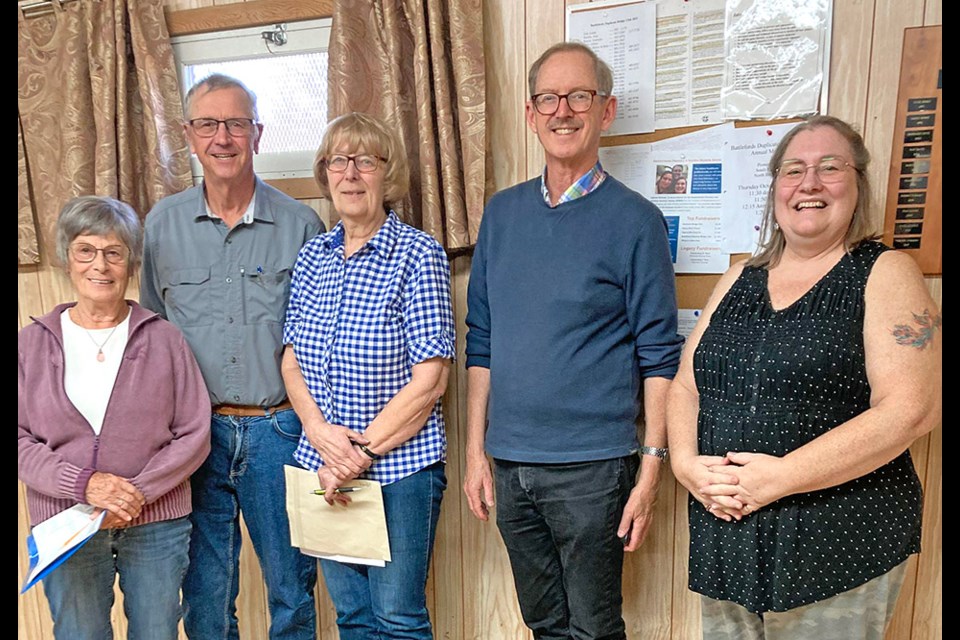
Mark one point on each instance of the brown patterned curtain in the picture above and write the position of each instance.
(100, 106)
(27, 251)
(419, 65)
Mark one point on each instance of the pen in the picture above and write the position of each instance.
(323, 492)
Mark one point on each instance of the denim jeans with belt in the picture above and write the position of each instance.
(559, 523)
(151, 560)
(375, 603)
(244, 472)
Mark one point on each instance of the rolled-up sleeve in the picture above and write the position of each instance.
(427, 310)
(651, 297)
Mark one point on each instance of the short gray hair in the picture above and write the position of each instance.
(213, 82)
(100, 216)
(601, 70)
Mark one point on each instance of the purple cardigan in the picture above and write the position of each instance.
(156, 431)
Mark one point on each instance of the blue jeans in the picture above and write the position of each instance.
(151, 560)
(244, 472)
(559, 523)
(389, 602)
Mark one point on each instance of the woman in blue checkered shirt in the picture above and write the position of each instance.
(370, 339)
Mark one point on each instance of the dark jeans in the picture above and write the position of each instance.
(559, 523)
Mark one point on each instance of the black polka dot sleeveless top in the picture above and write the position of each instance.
(769, 382)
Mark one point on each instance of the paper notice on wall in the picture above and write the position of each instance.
(687, 320)
(746, 179)
(777, 58)
(630, 164)
(624, 36)
(690, 62)
(688, 188)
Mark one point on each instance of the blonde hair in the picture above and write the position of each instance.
(361, 132)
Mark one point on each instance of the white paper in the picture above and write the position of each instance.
(624, 36)
(355, 533)
(629, 163)
(777, 57)
(746, 179)
(692, 206)
(57, 535)
(687, 320)
(370, 562)
(690, 62)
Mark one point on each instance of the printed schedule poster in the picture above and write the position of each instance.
(624, 36)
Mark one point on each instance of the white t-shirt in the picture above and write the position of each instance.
(89, 382)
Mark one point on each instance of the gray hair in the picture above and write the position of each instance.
(771, 237)
(601, 70)
(216, 81)
(100, 216)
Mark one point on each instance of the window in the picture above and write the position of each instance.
(290, 81)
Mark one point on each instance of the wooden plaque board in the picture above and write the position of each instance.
(914, 221)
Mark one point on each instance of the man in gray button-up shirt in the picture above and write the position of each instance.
(217, 263)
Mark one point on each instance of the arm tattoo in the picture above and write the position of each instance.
(918, 336)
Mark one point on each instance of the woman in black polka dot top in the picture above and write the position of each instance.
(813, 368)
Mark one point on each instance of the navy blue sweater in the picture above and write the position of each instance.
(570, 308)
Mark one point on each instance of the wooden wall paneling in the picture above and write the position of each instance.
(33, 614)
(685, 614)
(503, 24)
(252, 612)
(448, 556)
(647, 572)
(927, 621)
(545, 26)
(933, 12)
(28, 295)
(891, 17)
(489, 604)
(850, 51)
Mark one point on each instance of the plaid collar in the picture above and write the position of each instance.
(584, 185)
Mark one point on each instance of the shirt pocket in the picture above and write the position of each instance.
(187, 296)
(265, 293)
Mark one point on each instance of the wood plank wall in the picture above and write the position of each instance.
(471, 592)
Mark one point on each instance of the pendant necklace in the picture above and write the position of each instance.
(100, 355)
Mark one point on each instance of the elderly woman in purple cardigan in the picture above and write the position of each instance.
(111, 412)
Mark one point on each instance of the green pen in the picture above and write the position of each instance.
(323, 492)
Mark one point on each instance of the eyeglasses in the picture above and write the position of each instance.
(829, 170)
(365, 163)
(236, 127)
(114, 254)
(579, 101)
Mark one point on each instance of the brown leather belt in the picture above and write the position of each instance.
(249, 411)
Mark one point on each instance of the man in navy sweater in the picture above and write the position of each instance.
(572, 312)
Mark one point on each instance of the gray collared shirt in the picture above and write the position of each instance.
(226, 289)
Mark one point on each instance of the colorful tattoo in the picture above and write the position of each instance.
(918, 337)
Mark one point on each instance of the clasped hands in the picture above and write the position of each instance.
(117, 496)
(735, 485)
(342, 459)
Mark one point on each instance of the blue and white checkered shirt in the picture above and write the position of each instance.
(359, 325)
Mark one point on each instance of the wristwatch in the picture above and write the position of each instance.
(654, 451)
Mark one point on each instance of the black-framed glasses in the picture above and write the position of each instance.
(829, 170)
(114, 254)
(236, 127)
(364, 162)
(579, 101)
